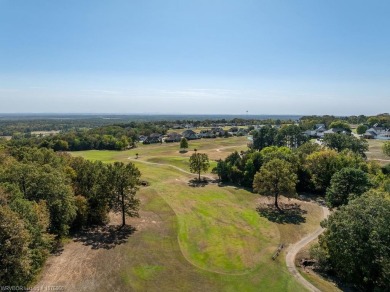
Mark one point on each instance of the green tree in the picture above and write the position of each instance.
(361, 129)
(321, 166)
(222, 170)
(276, 177)
(199, 162)
(249, 173)
(49, 184)
(340, 142)
(284, 153)
(386, 148)
(355, 244)
(183, 144)
(372, 121)
(264, 137)
(340, 125)
(81, 218)
(124, 180)
(91, 182)
(290, 136)
(346, 184)
(15, 261)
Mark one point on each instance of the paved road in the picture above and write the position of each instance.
(296, 247)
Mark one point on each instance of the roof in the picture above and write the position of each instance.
(155, 135)
(188, 132)
(173, 135)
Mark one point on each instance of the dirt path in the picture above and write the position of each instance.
(295, 248)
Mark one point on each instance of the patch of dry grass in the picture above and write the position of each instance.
(375, 151)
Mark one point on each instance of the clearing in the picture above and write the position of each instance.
(188, 237)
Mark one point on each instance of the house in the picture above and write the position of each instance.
(190, 135)
(370, 134)
(318, 132)
(377, 133)
(241, 132)
(153, 138)
(173, 137)
(310, 133)
(142, 138)
(320, 126)
(207, 134)
(218, 131)
(336, 131)
(385, 135)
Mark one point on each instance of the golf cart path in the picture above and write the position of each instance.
(296, 247)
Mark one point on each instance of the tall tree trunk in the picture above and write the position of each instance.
(276, 203)
(123, 210)
(199, 176)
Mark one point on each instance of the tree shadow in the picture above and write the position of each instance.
(313, 198)
(195, 183)
(290, 214)
(237, 187)
(58, 248)
(106, 237)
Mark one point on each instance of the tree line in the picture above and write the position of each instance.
(45, 195)
(356, 244)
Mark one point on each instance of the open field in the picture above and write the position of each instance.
(44, 133)
(188, 238)
(375, 151)
(169, 152)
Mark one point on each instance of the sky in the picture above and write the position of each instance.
(195, 57)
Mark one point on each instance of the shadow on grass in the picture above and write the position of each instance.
(106, 237)
(291, 213)
(235, 186)
(195, 183)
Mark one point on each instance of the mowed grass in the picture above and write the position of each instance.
(204, 238)
(170, 152)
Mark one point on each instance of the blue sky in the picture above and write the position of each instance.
(198, 57)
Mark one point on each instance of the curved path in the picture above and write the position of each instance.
(296, 247)
(292, 250)
(169, 165)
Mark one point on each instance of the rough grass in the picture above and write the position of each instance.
(375, 151)
(208, 238)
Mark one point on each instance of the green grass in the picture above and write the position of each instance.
(203, 238)
(146, 272)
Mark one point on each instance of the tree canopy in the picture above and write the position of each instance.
(340, 125)
(346, 184)
(199, 162)
(340, 142)
(124, 180)
(183, 144)
(386, 148)
(361, 129)
(356, 242)
(276, 177)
